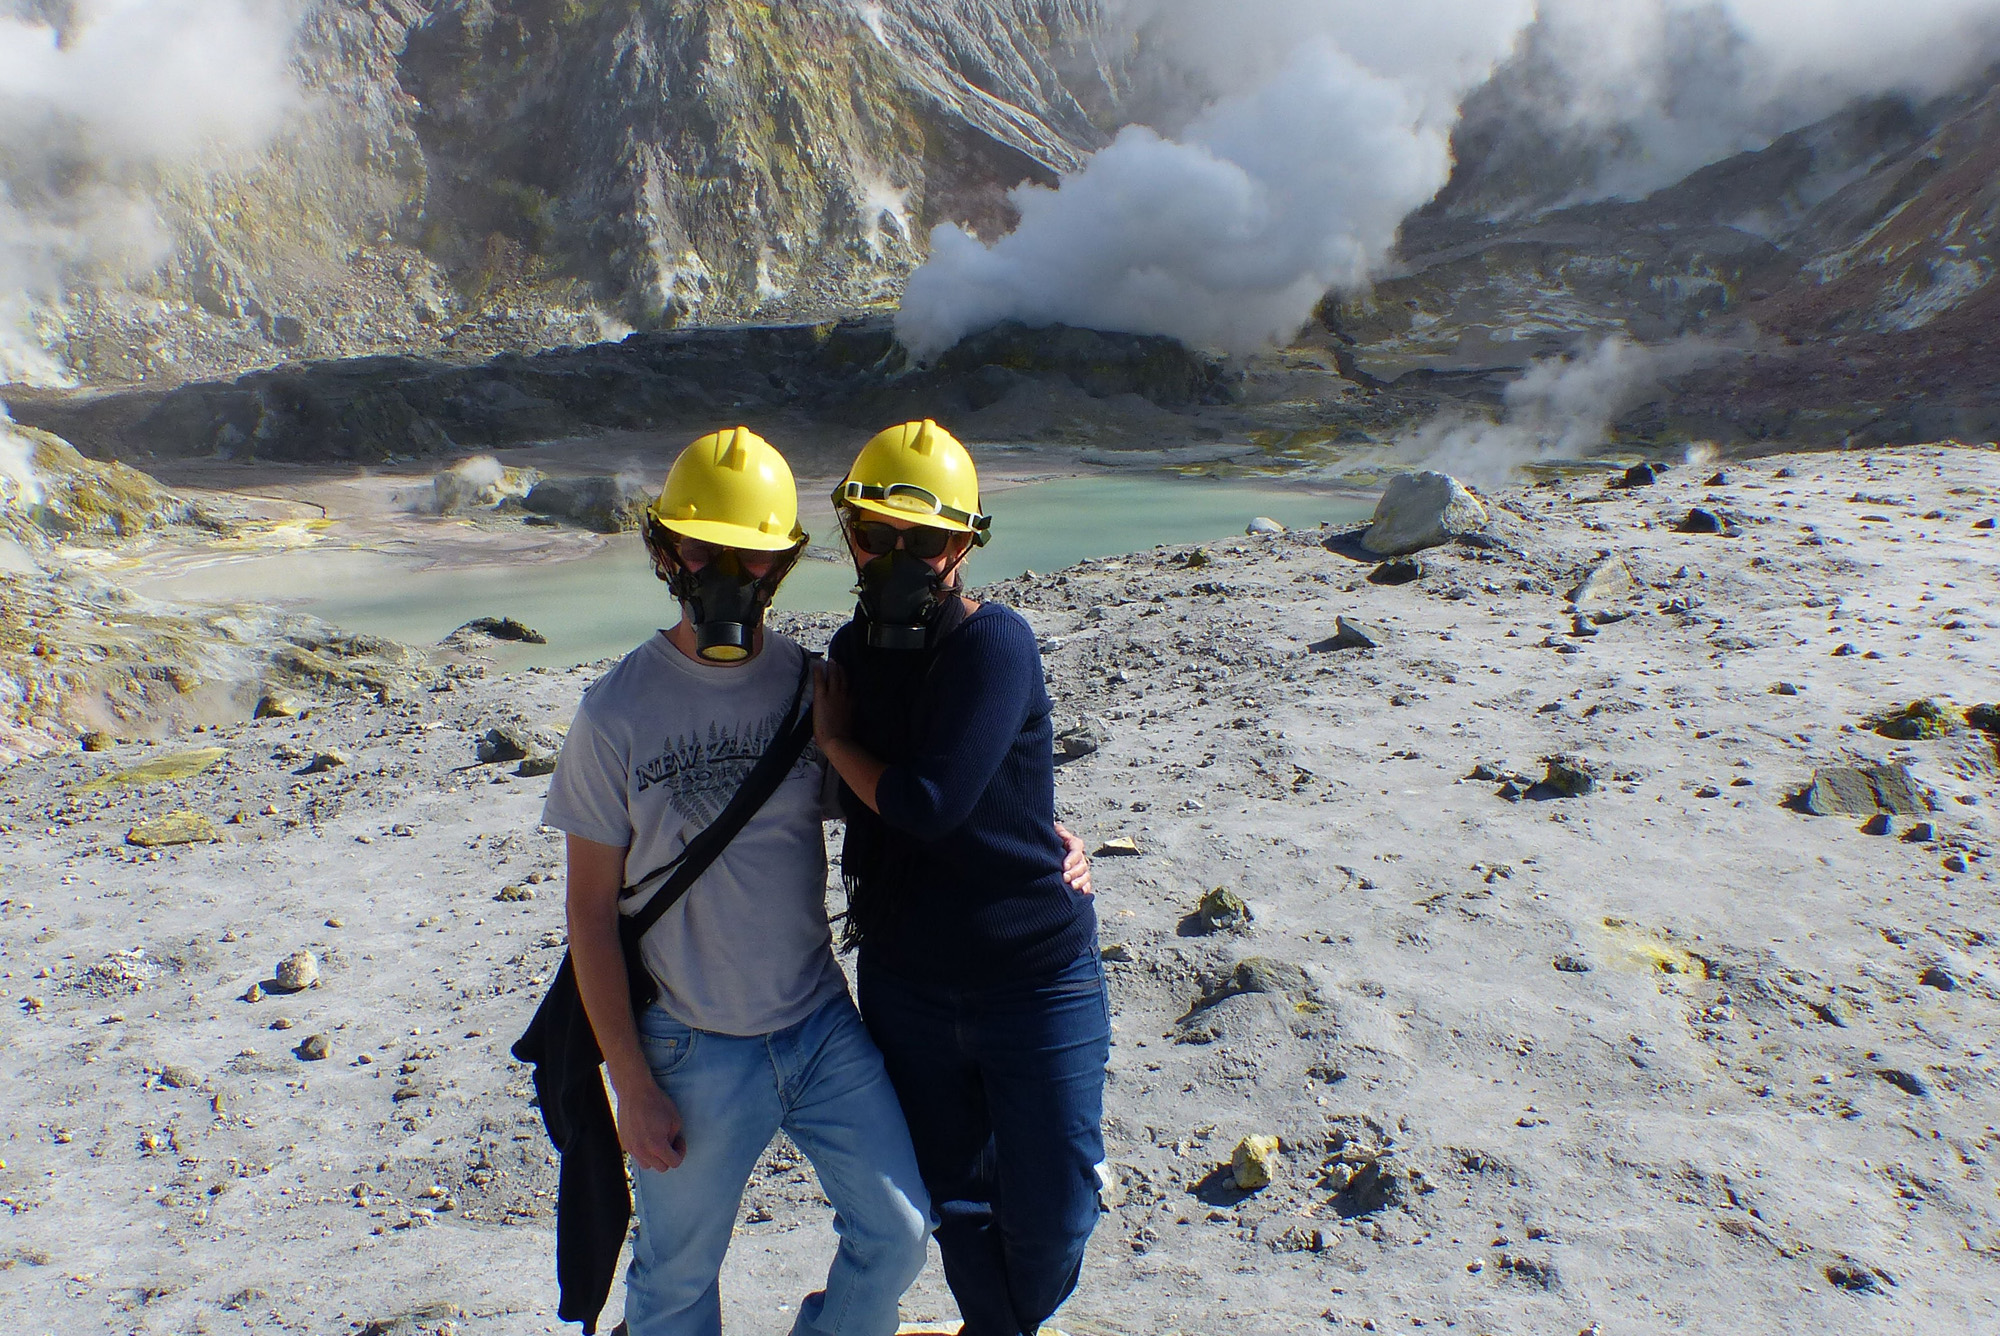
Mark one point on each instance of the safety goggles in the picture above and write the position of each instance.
(699, 552)
(980, 525)
(876, 538)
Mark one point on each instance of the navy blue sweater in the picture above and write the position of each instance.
(970, 794)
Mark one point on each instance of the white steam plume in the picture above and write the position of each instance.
(1226, 235)
(1318, 124)
(99, 99)
(1561, 408)
(20, 487)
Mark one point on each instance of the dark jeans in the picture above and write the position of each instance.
(1003, 1089)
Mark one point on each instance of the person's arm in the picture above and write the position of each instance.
(649, 1126)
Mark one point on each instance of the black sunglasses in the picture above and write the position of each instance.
(876, 538)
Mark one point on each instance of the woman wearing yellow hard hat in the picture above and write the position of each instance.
(978, 971)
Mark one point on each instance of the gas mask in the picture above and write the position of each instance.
(900, 593)
(725, 602)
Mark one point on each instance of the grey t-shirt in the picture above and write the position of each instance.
(659, 746)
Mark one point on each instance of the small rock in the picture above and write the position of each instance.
(1955, 863)
(1988, 523)
(1420, 510)
(315, 1048)
(499, 628)
(1864, 791)
(532, 766)
(275, 705)
(1920, 720)
(1568, 776)
(1082, 740)
(1264, 524)
(1844, 649)
(254, 993)
(1786, 472)
(298, 971)
(1717, 480)
(1609, 579)
(1221, 910)
(1571, 964)
(1907, 1082)
(1400, 571)
(514, 894)
(179, 1077)
(1350, 635)
(182, 827)
(1785, 689)
(1115, 951)
(1938, 977)
(1261, 974)
(1876, 825)
(1641, 475)
(503, 744)
(1254, 1162)
(322, 762)
(1921, 833)
(282, 1023)
(1194, 558)
(96, 741)
(1704, 521)
(1118, 846)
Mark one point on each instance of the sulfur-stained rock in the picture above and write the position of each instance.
(179, 827)
(159, 770)
(1864, 791)
(298, 971)
(1221, 909)
(1255, 1162)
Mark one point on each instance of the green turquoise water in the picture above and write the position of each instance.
(603, 604)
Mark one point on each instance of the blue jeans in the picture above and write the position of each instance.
(821, 1080)
(1004, 1091)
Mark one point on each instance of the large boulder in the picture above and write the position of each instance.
(606, 505)
(1420, 510)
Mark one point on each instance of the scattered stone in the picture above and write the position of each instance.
(1920, 720)
(515, 894)
(1641, 475)
(179, 1077)
(1786, 472)
(1955, 863)
(322, 762)
(532, 767)
(1254, 1162)
(1853, 1277)
(96, 740)
(1194, 559)
(1567, 776)
(315, 1048)
(498, 628)
(1081, 740)
(254, 993)
(282, 1023)
(1118, 846)
(1844, 649)
(297, 972)
(179, 765)
(601, 504)
(1706, 521)
(1604, 582)
(1907, 1082)
(1988, 523)
(1921, 833)
(1718, 479)
(1985, 718)
(179, 827)
(1350, 635)
(1864, 791)
(1261, 974)
(275, 705)
(1398, 572)
(1876, 825)
(1938, 977)
(1572, 964)
(1117, 952)
(1221, 910)
(1785, 689)
(1420, 510)
(503, 744)
(1264, 524)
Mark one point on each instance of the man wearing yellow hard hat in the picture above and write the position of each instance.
(978, 970)
(752, 1029)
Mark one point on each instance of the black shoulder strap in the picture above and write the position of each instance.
(762, 781)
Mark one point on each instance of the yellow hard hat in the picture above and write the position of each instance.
(917, 471)
(734, 489)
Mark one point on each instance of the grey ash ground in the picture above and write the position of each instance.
(1669, 1055)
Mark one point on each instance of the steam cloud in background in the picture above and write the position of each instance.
(1561, 408)
(100, 101)
(1325, 122)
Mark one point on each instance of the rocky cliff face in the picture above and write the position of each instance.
(471, 176)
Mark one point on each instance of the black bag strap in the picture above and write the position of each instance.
(762, 781)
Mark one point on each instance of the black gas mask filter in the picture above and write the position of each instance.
(900, 593)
